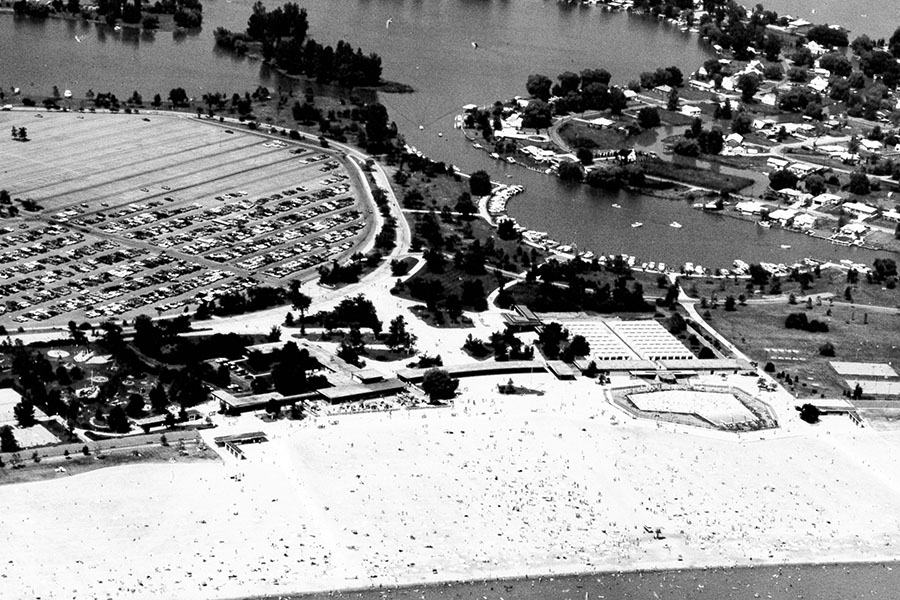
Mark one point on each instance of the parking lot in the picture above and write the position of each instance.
(150, 213)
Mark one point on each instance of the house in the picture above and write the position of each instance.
(816, 48)
(663, 90)
(784, 216)
(804, 221)
(863, 211)
(825, 199)
(871, 145)
(750, 207)
(777, 163)
(690, 111)
(818, 84)
(891, 215)
(600, 123)
(734, 139)
(704, 86)
(769, 99)
(855, 229)
(793, 195)
(803, 170)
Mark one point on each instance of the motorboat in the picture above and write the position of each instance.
(675, 224)
(637, 224)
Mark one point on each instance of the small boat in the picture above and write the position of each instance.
(421, 127)
(617, 206)
(477, 146)
(785, 246)
(494, 155)
(67, 94)
(675, 224)
(440, 134)
(637, 224)
(765, 224)
(510, 160)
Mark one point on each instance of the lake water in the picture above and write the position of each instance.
(429, 46)
(875, 18)
(787, 582)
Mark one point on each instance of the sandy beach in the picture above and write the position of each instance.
(493, 487)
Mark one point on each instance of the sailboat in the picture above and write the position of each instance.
(675, 224)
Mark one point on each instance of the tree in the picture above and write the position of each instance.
(22, 134)
(480, 183)
(135, 406)
(465, 206)
(672, 100)
(24, 413)
(118, 420)
(585, 156)
(815, 184)
(810, 413)
(398, 338)
(772, 47)
(742, 123)
(539, 86)
(859, 183)
(537, 115)
(837, 63)
(570, 170)
(158, 398)
(8, 441)
(748, 83)
(826, 349)
(550, 337)
(648, 117)
(438, 384)
(730, 303)
(178, 97)
(782, 179)
(301, 302)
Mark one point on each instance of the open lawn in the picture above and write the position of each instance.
(144, 212)
(832, 281)
(695, 176)
(758, 330)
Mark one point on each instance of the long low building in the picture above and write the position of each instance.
(232, 405)
(476, 369)
(361, 391)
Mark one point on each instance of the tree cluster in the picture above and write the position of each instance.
(282, 35)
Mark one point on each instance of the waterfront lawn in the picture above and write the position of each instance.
(758, 330)
(579, 135)
(694, 176)
(832, 281)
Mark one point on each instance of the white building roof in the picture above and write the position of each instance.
(858, 207)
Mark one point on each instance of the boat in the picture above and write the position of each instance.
(421, 127)
(637, 224)
(67, 94)
(675, 224)
(765, 224)
(510, 160)
(494, 155)
(440, 134)
(617, 206)
(785, 246)
(662, 267)
(477, 146)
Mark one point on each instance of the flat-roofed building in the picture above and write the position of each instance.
(862, 369)
(650, 340)
(604, 343)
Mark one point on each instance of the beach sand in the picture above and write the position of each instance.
(495, 486)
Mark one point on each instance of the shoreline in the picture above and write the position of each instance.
(420, 588)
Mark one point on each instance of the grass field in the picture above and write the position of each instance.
(833, 281)
(143, 212)
(759, 332)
